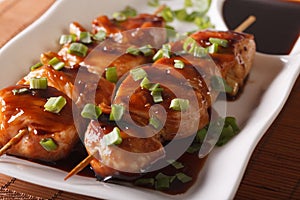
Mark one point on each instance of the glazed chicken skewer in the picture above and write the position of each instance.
(214, 34)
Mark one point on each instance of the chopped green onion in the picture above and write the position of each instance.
(38, 83)
(138, 74)
(78, 49)
(66, 39)
(153, 121)
(36, 66)
(158, 55)
(100, 35)
(201, 135)
(163, 181)
(181, 14)
(229, 130)
(179, 104)
(217, 84)
(176, 164)
(111, 74)
(203, 22)
(129, 11)
(219, 41)
(85, 37)
(117, 112)
(153, 3)
(145, 181)
(48, 144)
(113, 137)
(91, 111)
(133, 51)
(119, 16)
(167, 14)
(147, 50)
(188, 3)
(145, 83)
(20, 91)
(155, 87)
(56, 63)
(212, 48)
(178, 64)
(166, 48)
(195, 147)
(55, 104)
(183, 177)
(199, 52)
(157, 96)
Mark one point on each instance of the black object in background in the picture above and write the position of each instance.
(277, 25)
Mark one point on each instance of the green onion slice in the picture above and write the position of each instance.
(163, 181)
(145, 83)
(229, 130)
(154, 121)
(133, 51)
(66, 39)
(218, 84)
(91, 111)
(56, 63)
(158, 55)
(119, 16)
(167, 14)
(219, 41)
(111, 74)
(48, 144)
(176, 164)
(183, 177)
(38, 83)
(85, 37)
(78, 49)
(100, 35)
(178, 64)
(55, 104)
(138, 74)
(117, 112)
(144, 181)
(153, 3)
(113, 137)
(20, 91)
(179, 104)
(212, 48)
(147, 50)
(36, 66)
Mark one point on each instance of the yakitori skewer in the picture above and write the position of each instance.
(13, 141)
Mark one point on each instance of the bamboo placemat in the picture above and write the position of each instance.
(272, 173)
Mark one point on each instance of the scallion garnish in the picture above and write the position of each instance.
(167, 14)
(201, 134)
(55, 104)
(36, 66)
(144, 181)
(178, 64)
(154, 121)
(212, 48)
(117, 112)
(176, 164)
(85, 37)
(188, 3)
(100, 35)
(38, 83)
(66, 39)
(219, 41)
(20, 91)
(56, 63)
(181, 14)
(111, 74)
(163, 181)
(179, 104)
(91, 111)
(48, 144)
(119, 16)
(113, 137)
(166, 48)
(183, 177)
(229, 130)
(138, 74)
(158, 55)
(153, 3)
(147, 50)
(133, 51)
(145, 83)
(78, 49)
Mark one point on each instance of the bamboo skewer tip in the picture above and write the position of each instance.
(80, 166)
(248, 22)
(13, 141)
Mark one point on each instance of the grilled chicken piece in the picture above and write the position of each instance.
(139, 30)
(78, 84)
(26, 111)
(184, 83)
(234, 61)
(132, 156)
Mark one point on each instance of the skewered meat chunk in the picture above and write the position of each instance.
(133, 155)
(234, 60)
(26, 111)
(175, 83)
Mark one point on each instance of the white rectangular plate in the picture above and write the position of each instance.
(267, 89)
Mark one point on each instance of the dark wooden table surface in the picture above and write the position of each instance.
(273, 171)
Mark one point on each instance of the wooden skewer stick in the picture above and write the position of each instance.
(80, 166)
(243, 26)
(159, 9)
(13, 141)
